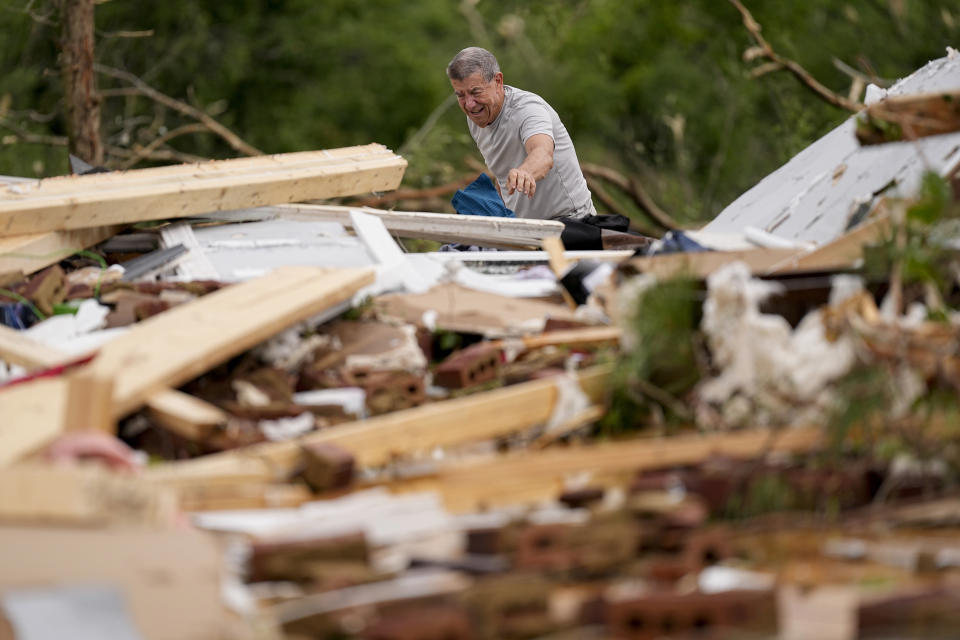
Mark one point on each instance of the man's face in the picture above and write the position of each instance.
(479, 99)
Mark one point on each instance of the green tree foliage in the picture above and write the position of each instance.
(654, 89)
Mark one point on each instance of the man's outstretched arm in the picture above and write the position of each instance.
(535, 167)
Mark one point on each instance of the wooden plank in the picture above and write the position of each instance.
(585, 337)
(376, 440)
(38, 208)
(32, 252)
(535, 476)
(457, 308)
(442, 227)
(185, 415)
(180, 412)
(18, 349)
(32, 417)
(844, 252)
(559, 265)
(89, 402)
(82, 494)
(207, 169)
(909, 117)
(171, 579)
(701, 264)
(176, 346)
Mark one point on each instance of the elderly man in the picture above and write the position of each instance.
(521, 139)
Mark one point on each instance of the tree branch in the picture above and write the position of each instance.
(417, 194)
(601, 194)
(235, 141)
(763, 49)
(20, 135)
(632, 187)
(140, 153)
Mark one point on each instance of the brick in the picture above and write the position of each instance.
(327, 466)
(474, 365)
(423, 622)
(334, 561)
(656, 615)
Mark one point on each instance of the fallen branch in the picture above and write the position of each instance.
(632, 187)
(21, 135)
(416, 194)
(231, 138)
(764, 50)
(601, 194)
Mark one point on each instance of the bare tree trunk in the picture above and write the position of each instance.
(76, 64)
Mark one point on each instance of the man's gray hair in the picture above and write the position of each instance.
(471, 60)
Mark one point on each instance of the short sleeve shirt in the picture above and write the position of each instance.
(563, 191)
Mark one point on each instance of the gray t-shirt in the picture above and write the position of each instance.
(563, 191)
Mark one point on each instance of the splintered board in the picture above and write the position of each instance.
(375, 441)
(457, 308)
(32, 252)
(73, 202)
(530, 477)
(174, 347)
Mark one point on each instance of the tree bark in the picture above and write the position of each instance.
(80, 93)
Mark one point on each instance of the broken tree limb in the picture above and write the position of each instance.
(442, 227)
(377, 440)
(163, 192)
(633, 188)
(536, 476)
(415, 194)
(763, 49)
(146, 90)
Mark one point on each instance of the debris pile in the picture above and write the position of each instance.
(238, 411)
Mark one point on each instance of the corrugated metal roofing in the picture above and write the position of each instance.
(810, 198)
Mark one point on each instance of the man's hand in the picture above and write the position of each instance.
(521, 180)
(93, 445)
(535, 167)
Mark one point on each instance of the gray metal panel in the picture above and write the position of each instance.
(810, 198)
(243, 250)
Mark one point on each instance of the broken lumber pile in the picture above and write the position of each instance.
(403, 450)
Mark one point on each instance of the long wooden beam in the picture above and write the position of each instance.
(442, 227)
(701, 264)
(536, 476)
(27, 208)
(207, 169)
(375, 441)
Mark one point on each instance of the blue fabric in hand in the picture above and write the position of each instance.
(480, 198)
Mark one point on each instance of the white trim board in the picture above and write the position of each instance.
(442, 227)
